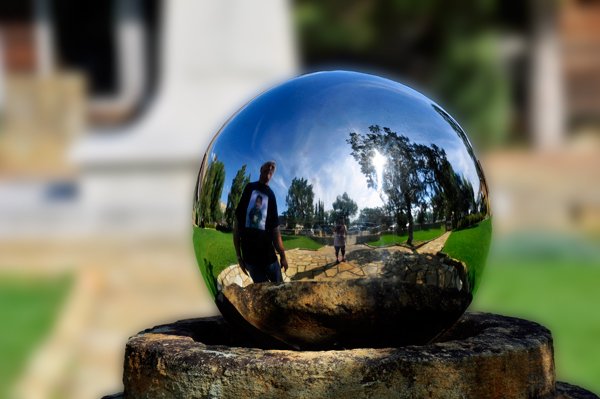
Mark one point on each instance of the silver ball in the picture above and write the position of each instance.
(357, 207)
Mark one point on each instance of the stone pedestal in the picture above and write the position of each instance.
(482, 356)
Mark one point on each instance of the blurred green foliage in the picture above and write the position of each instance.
(29, 308)
(450, 48)
(551, 279)
(561, 296)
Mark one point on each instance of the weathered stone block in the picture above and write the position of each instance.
(482, 356)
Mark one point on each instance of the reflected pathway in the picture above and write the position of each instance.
(423, 265)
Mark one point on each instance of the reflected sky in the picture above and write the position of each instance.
(304, 124)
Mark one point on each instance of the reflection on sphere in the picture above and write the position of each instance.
(341, 210)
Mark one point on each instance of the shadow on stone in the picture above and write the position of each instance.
(313, 273)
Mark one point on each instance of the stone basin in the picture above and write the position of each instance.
(343, 314)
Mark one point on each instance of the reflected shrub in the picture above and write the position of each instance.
(469, 221)
(224, 229)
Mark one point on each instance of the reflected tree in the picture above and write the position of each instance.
(467, 196)
(212, 188)
(320, 214)
(344, 206)
(401, 183)
(438, 205)
(463, 136)
(441, 181)
(299, 201)
(416, 180)
(422, 213)
(330, 217)
(373, 215)
(233, 198)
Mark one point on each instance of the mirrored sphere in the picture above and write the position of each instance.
(341, 210)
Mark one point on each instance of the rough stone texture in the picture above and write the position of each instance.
(356, 313)
(482, 356)
(568, 391)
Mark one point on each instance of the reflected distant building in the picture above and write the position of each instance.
(160, 78)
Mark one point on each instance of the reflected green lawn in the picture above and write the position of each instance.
(28, 309)
(215, 252)
(471, 246)
(418, 236)
(292, 242)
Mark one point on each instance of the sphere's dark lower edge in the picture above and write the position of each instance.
(482, 356)
(347, 314)
(568, 391)
(563, 391)
(258, 338)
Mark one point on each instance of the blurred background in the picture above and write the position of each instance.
(106, 109)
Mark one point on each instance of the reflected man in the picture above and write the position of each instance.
(256, 230)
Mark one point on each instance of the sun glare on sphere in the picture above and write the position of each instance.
(379, 162)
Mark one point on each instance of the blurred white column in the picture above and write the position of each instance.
(547, 96)
(44, 41)
(2, 72)
(130, 41)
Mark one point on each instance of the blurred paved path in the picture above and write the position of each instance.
(119, 289)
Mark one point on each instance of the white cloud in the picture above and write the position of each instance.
(333, 179)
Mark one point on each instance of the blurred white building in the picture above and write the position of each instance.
(161, 78)
(108, 106)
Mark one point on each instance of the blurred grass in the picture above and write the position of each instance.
(554, 282)
(471, 245)
(421, 235)
(28, 309)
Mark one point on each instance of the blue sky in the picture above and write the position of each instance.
(303, 125)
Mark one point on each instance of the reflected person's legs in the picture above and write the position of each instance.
(264, 274)
(337, 252)
(257, 273)
(274, 272)
(343, 253)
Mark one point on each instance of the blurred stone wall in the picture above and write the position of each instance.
(41, 117)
